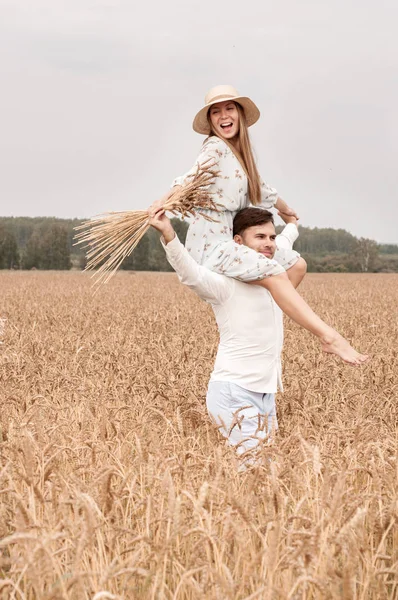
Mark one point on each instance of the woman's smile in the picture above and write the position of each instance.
(224, 118)
(226, 126)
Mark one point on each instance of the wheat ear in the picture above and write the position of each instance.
(113, 236)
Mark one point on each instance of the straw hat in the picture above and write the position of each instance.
(222, 93)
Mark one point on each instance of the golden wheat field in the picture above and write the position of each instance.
(114, 484)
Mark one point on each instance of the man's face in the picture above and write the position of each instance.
(260, 238)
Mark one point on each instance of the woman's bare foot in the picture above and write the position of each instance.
(336, 344)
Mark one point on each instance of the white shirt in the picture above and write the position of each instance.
(249, 322)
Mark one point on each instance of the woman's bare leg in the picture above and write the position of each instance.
(296, 272)
(295, 307)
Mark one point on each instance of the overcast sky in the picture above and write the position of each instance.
(97, 99)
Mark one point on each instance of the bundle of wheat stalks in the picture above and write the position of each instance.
(113, 236)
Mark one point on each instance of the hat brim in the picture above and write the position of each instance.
(252, 114)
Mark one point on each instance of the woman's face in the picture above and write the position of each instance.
(224, 118)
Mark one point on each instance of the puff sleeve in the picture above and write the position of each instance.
(209, 153)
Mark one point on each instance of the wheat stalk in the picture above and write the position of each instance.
(113, 236)
(182, 521)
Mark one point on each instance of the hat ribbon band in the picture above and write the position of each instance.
(225, 96)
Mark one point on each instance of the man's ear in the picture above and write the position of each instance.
(238, 239)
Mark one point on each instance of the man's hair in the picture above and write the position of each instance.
(250, 217)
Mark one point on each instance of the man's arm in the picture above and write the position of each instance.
(212, 287)
(288, 235)
(285, 241)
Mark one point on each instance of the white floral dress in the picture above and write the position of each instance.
(210, 243)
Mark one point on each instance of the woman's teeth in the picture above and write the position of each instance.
(224, 125)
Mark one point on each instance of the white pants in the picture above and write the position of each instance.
(245, 418)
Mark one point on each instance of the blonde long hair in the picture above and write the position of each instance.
(245, 157)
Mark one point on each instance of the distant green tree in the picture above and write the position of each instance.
(325, 250)
(9, 254)
(388, 263)
(157, 260)
(388, 248)
(55, 253)
(181, 228)
(138, 259)
(82, 262)
(31, 257)
(324, 241)
(47, 250)
(367, 254)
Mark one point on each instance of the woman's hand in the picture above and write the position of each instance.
(288, 218)
(284, 210)
(289, 212)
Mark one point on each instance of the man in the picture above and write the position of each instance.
(247, 370)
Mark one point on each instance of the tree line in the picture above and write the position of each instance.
(48, 243)
(43, 247)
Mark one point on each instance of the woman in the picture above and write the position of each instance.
(237, 185)
(225, 119)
